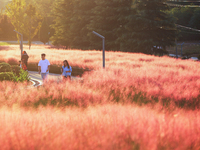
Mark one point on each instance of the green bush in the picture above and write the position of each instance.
(9, 76)
(4, 67)
(23, 76)
(16, 69)
(13, 73)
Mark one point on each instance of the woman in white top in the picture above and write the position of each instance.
(66, 70)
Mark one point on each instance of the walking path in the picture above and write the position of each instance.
(37, 80)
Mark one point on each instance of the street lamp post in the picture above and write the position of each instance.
(103, 44)
(21, 43)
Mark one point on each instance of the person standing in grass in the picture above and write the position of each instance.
(25, 58)
(66, 70)
(43, 67)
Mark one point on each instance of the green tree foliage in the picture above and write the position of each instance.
(43, 6)
(79, 21)
(71, 20)
(32, 23)
(108, 19)
(127, 27)
(151, 26)
(44, 31)
(24, 18)
(183, 15)
(16, 11)
(62, 11)
(195, 20)
(6, 29)
(187, 16)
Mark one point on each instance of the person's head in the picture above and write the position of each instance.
(20, 62)
(66, 64)
(43, 56)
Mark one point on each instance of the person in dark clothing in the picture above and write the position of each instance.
(25, 58)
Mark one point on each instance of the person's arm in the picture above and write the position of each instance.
(39, 68)
(48, 66)
(70, 70)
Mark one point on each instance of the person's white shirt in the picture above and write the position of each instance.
(44, 65)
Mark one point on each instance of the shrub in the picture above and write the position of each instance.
(5, 67)
(16, 69)
(6, 76)
(13, 73)
(23, 76)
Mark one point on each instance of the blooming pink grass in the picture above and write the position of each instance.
(126, 74)
(103, 127)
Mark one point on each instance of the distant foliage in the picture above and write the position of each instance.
(127, 26)
(24, 18)
(44, 32)
(189, 17)
(6, 28)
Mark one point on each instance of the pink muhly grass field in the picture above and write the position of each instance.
(102, 127)
(97, 113)
(126, 74)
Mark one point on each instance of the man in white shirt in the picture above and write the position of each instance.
(43, 67)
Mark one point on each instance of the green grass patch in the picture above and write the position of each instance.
(4, 44)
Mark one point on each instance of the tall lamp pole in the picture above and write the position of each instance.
(21, 43)
(103, 44)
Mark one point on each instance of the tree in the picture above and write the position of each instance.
(186, 16)
(70, 23)
(25, 19)
(44, 32)
(16, 11)
(6, 28)
(195, 20)
(108, 19)
(150, 26)
(183, 15)
(62, 12)
(32, 23)
(79, 22)
(43, 6)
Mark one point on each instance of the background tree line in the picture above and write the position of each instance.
(190, 17)
(128, 25)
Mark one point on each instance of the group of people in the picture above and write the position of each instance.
(44, 67)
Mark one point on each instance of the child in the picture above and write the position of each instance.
(20, 64)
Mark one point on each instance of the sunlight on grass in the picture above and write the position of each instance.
(4, 43)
